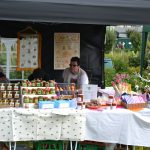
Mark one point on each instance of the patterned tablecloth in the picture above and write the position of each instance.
(37, 124)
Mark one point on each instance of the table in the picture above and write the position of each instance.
(119, 126)
(38, 124)
(111, 126)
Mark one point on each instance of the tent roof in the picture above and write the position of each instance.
(109, 12)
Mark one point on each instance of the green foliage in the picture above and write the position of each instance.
(135, 38)
(129, 62)
(27, 73)
(135, 62)
(120, 61)
(109, 74)
(110, 40)
(120, 66)
(15, 75)
(148, 45)
(131, 72)
(137, 81)
(3, 59)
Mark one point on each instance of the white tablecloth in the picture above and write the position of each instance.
(110, 126)
(118, 126)
(37, 124)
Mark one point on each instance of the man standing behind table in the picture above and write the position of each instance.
(74, 74)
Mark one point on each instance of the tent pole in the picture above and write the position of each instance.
(144, 41)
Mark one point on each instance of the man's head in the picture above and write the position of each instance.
(74, 65)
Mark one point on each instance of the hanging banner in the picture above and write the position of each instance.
(66, 45)
(28, 51)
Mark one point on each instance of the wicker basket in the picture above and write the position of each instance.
(134, 106)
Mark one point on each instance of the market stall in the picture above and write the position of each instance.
(55, 111)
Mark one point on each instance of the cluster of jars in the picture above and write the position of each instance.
(9, 86)
(38, 91)
(38, 83)
(35, 100)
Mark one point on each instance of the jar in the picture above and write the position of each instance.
(26, 99)
(9, 87)
(36, 100)
(9, 94)
(40, 98)
(11, 103)
(30, 100)
(17, 103)
(47, 84)
(16, 87)
(39, 91)
(38, 83)
(110, 101)
(24, 91)
(52, 91)
(34, 91)
(4, 95)
(33, 83)
(24, 83)
(80, 97)
(2, 87)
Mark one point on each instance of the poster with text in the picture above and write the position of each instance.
(66, 45)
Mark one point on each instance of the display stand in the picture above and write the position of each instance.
(9, 95)
(30, 96)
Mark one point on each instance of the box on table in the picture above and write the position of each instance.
(46, 104)
(73, 103)
(134, 106)
(62, 104)
(133, 101)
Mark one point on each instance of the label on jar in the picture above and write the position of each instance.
(16, 88)
(2, 87)
(9, 87)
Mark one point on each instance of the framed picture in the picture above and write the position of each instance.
(28, 49)
(66, 45)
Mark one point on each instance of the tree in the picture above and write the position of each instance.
(135, 38)
(110, 39)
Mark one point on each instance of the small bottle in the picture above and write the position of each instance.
(110, 101)
(148, 100)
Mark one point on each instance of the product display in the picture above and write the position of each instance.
(37, 91)
(47, 95)
(9, 95)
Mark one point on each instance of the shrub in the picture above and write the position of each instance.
(135, 62)
(135, 38)
(120, 65)
(109, 74)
